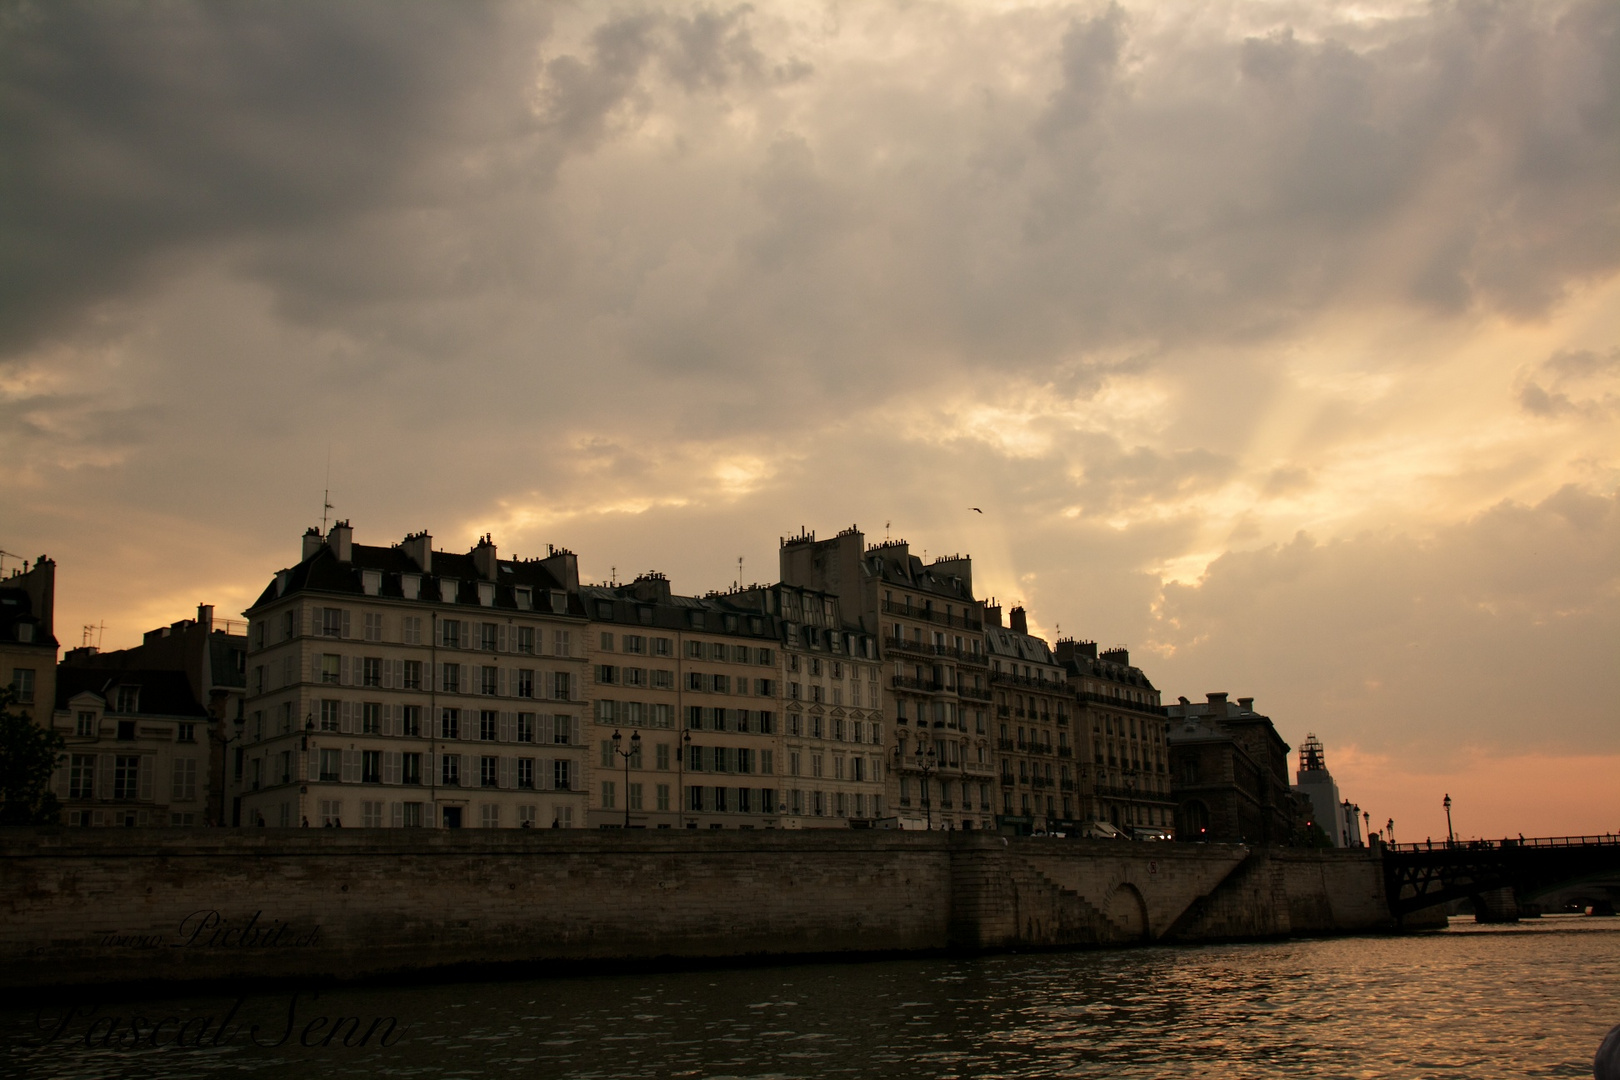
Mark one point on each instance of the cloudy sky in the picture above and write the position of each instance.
(1280, 341)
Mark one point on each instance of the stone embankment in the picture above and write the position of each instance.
(86, 907)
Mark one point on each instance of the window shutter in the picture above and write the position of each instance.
(396, 814)
(469, 771)
(346, 718)
(387, 675)
(346, 632)
(146, 778)
(500, 687)
(432, 777)
(393, 766)
(508, 728)
(573, 726)
(500, 641)
(343, 671)
(351, 766)
(507, 773)
(543, 782)
(546, 729)
(470, 723)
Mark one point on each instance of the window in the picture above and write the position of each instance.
(663, 679)
(661, 793)
(413, 675)
(410, 630)
(562, 642)
(450, 683)
(635, 643)
(371, 671)
(561, 731)
(525, 727)
(488, 636)
(85, 727)
(525, 682)
(450, 724)
(373, 627)
(606, 674)
(411, 721)
(488, 769)
(331, 767)
(525, 640)
(694, 650)
(450, 634)
(411, 816)
(489, 680)
(661, 757)
(694, 680)
(606, 642)
(489, 816)
(608, 795)
(331, 666)
(126, 700)
(561, 686)
(561, 776)
(371, 766)
(411, 769)
(663, 646)
(330, 712)
(607, 754)
(185, 733)
(331, 622)
(488, 725)
(22, 680)
(371, 814)
(525, 773)
(82, 777)
(450, 770)
(633, 796)
(371, 718)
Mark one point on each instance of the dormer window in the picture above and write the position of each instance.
(25, 632)
(371, 581)
(127, 699)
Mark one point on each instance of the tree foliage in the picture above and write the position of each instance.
(29, 753)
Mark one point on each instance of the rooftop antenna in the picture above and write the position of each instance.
(3, 555)
(885, 532)
(326, 495)
(613, 575)
(739, 571)
(93, 630)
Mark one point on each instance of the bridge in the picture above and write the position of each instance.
(1492, 873)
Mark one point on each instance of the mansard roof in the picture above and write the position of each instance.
(323, 572)
(162, 693)
(1024, 648)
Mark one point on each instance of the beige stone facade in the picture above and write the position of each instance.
(405, 687)
(1038, 777)
(28, 638)
(1127, 778)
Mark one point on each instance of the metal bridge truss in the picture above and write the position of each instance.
(1418, 876)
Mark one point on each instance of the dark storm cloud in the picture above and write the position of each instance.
(136, 131)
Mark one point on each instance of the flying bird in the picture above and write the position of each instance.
(975, 509)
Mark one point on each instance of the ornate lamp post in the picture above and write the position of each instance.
(1389, 828)
(927, 764)
(635, 748)
(1366, 827)
(1450, 835)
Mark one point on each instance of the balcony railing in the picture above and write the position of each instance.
(910, 612)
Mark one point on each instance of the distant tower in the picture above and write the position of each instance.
(1316, 783)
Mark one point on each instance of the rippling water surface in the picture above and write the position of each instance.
(1526, 1001)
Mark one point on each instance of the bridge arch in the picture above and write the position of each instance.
(1126, 909)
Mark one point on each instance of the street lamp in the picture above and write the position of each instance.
(635, 748)
(1390, 831)
(680, 796)
(927, 764)
(1450, 836)
(1366, 827)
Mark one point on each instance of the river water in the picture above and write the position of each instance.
(1471, 1002)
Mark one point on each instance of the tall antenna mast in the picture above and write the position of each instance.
(326, 495)
(3, 555)
(739, 571)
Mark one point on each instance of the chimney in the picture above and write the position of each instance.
(341, 541)
(1017, 620)
(312, 543)
(563, 565)
(485, 559)
(1118, 655)
(992, 614)
(205, 618)
(651, 588)
(1217, 703)
(1246, 704)
(418, 548)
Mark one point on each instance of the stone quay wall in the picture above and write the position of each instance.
(132, 905)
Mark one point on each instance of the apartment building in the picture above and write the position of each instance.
(213, 660)
(1038, 776)
(1229, 767)
(406, 687)
(685, 701)
(832, 755)
(930, 629)
(28, 638)
(1118, 713)
(137, 748)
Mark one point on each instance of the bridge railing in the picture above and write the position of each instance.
(1511, 842)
